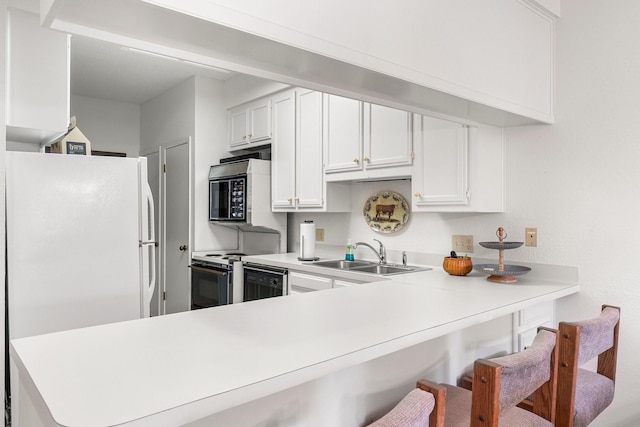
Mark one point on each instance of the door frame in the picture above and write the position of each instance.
(161, 150)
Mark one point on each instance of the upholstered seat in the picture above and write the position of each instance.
(500, 384)
(584, 394)
(421, 407)
(458, 414)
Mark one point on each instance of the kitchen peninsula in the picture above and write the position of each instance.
(177, 369)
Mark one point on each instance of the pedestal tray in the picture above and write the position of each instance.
(500, 272)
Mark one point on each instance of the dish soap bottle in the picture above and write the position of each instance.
(348, 256)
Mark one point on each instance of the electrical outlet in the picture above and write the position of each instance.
(461, 243)
(319, 234)
(531, 236)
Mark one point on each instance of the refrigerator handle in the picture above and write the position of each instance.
(151, 242)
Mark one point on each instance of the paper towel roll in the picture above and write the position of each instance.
(307, 240)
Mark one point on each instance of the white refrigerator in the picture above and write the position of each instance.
(80, 241)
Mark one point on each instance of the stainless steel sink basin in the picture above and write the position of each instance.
(341, 264)
(369, 267)
(386, 269)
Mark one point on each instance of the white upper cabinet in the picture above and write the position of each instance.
(37, 80)
(343, 134)
(297, 156)
(308, 177)
(250, 125)
(283, 152)
(440, 176)
(387, 137)
(458, 168)
(362, 138)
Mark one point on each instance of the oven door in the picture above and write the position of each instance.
(210, 286)
(263, 282)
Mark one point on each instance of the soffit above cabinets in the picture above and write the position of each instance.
(191, 34)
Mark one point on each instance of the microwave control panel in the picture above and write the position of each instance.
(238, 199)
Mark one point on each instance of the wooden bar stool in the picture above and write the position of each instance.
(500, 384)
(584, 394)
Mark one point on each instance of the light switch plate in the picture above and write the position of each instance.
(463, 244)
(531, 236)
(319, 234)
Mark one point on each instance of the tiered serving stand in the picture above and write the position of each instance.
(500, 272)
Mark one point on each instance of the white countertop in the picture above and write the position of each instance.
(170, 370)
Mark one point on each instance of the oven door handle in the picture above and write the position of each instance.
(266, 270)
(208, 270)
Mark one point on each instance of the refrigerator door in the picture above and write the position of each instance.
(73, 242)
(147, 241)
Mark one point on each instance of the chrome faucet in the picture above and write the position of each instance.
(380, 253)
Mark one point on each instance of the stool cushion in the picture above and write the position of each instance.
(594, 392)
(458, 410)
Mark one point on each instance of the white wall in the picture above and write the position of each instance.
(109, 125)
(243, 88)
(210, 145)
(168, 117)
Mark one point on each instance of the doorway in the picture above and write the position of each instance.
(169, 177)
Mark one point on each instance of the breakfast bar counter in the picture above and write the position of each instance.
(176, 369)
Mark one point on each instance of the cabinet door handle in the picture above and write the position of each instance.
(418, 194)
(296, 199)
(183, 247)
(356, 161)
(244, 137)
(250, 135)
(366, 159)
(289, 199)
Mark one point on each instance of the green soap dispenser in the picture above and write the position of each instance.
(348, 256)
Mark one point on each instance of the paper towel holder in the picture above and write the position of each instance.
(302, 257)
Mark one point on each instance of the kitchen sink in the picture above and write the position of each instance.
(386, 270)
(369, 267)
(341, 264)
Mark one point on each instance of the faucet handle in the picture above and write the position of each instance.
(382, 251)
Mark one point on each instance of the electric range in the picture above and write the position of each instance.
(216, 277)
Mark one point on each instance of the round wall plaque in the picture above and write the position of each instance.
(386, 212)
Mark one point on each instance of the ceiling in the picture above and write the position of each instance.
(107, 71)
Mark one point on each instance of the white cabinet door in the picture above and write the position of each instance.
(458, 168)
(259, 121)
(387, 137)
(304, 282)
(238, 127)
(366, 141)
(309, 174)
(342, 283)
(300, 282)
(250, 124)
(440, 175)
(283, 151)
(298, 181)
(37, 79)
(342, 134)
